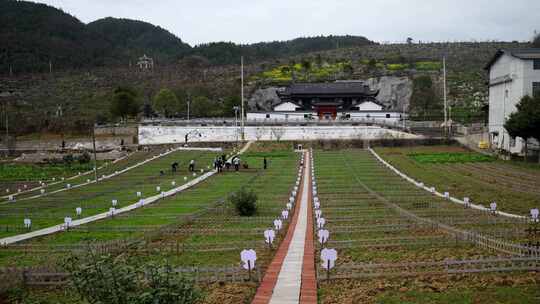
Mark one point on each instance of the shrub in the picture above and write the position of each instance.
(108, 279)
(245, 202)
(68, 159)
(428, 65)
(84, 158)
(164, 286)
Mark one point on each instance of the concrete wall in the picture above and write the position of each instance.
(149, 135)
(384, 117)
(111, 130)
(279, 116)
(373, 116)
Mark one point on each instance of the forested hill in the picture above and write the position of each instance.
(130, 39)
(228, 52)
(34, 35)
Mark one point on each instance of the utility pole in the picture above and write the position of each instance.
(236, 124)
(444, 98)
(95, 154)
(188, 102)
(7, 122)
(242, 93)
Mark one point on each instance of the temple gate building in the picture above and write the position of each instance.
(341, 100)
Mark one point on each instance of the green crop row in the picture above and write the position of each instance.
(443, 158)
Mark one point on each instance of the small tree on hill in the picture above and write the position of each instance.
(229, 103)
(202, 106)
(424, 101)
(536, 41)
(124, 103)
(166, 102)
(525, 122)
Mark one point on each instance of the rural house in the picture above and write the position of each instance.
(512, 75)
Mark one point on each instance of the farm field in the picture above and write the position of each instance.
(54, 182)
(397, 243)
(49, 210)
(515, 188)
(196, 228)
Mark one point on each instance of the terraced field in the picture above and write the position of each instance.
(196, 228)
(396, 243)
(49, 210)
(399, 244)
(515, 188)
(55, 183)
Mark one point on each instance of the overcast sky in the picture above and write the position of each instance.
(247, 21)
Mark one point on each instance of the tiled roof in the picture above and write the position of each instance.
(346, 88)
(525, 54)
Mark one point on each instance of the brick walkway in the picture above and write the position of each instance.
(290, 278)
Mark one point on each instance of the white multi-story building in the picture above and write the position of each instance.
(512, 75)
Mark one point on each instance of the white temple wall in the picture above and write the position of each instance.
(150, 135)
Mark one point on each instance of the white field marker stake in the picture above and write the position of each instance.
(248, 257)
(328, 259)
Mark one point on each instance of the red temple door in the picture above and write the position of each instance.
(327, 112)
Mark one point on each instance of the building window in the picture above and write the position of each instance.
(387, 115)
(536, 89)
(267, 115)
(536, 64)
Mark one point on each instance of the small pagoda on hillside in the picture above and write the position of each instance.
(145, 63)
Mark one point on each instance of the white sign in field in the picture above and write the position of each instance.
(328, 258)
(248, 257)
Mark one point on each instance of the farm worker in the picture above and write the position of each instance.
(219, 165)
(236, 163)
(228, 164)
(174, 167)
(265, 163)
(223, 158)
(192, 165)
(215, 163)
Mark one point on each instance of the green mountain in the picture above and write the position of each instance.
(228, 52)
(129, 39)
(34, 35)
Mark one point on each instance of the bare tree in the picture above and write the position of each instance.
(278, 132)
(259, 132)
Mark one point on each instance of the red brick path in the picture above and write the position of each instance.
(265, 290)
(308, 290)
